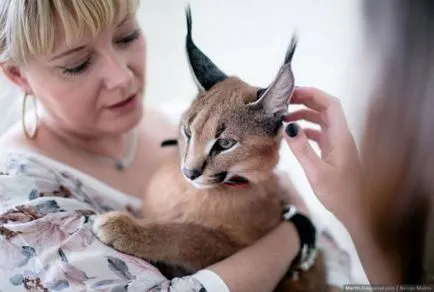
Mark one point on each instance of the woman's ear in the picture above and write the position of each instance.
(16, 76)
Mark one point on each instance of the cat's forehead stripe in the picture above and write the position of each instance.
(209, 146)
(191, 118)
(220, 129)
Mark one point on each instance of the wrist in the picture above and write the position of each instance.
(359, 222)
(290, 240)
(290, 234)
(306, 232)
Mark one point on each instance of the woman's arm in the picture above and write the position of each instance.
(379, 264)
(337, 177)
(262, 265)
(255, 268)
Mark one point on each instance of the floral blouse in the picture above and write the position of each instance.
(46, 239)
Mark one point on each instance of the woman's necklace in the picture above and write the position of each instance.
(124, 162)
(120, 164)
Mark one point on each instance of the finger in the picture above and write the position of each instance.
(298, 142)
(317, 137)
(314, 135)
(304, 114)
(313, 98)
(330, 108)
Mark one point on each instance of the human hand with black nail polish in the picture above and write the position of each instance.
(335, 175)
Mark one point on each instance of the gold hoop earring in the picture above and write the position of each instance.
(32, 133)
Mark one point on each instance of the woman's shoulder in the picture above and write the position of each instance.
(13, 138)
(30, 179)
(24, 178)
(159, 125)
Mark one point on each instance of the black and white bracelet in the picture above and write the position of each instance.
(305, 258)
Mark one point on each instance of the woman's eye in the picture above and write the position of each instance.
(130, 37)
(226, 143)
(77, 69)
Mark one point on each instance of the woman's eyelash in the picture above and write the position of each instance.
(130, 38)
(78, 69)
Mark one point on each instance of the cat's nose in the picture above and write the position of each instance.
(192, 173)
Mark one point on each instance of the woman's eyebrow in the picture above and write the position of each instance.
(126, 18)
(70, 51)
(77, 49)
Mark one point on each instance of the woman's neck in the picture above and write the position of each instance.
(110, 146)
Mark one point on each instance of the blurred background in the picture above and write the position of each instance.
(248, 38)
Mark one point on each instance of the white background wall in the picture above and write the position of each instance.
(248, 38)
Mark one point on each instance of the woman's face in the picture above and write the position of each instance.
(95, 85)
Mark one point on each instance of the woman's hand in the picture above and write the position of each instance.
(335, 176)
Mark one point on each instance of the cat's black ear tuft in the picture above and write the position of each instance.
(206, 72)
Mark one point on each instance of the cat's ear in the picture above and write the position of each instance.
(206, 72)
(275, 99)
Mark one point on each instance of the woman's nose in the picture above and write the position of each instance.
(117, 73)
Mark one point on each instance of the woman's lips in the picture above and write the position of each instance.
(122, 103)
(125, 106)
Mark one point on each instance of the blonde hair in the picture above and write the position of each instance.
(29, 27)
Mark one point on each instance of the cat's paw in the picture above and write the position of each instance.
(114, 229)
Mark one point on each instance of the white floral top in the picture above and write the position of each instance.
(46, 238)
(47, 244)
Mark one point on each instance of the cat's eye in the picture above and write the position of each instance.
(226, 143)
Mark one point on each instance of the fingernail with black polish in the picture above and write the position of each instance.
(292, 130)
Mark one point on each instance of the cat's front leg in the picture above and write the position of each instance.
(119, 230)
(189, 245)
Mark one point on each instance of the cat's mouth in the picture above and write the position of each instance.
(230, 179)
(236, 180)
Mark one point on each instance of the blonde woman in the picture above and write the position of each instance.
(89, 149)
